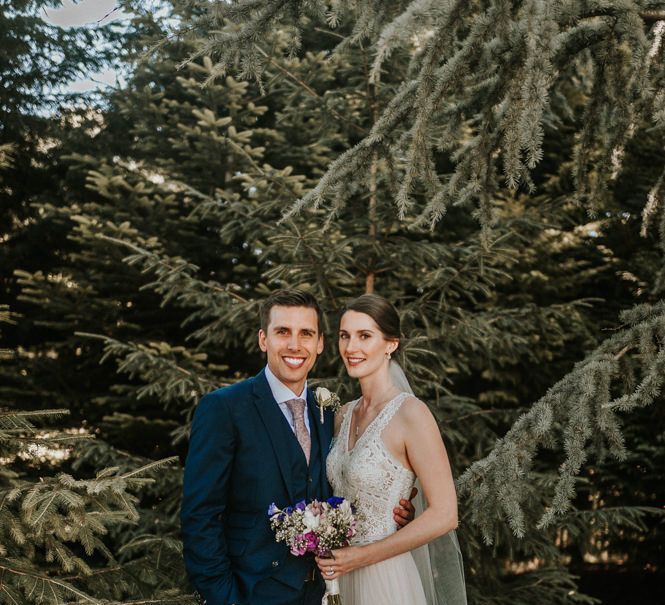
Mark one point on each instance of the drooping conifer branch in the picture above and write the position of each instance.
(580, 412)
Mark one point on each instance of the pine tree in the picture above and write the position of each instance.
(53, 546)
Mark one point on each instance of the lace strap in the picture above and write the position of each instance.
(346, 420)
(386, 414)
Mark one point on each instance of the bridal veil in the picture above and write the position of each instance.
(439, 563)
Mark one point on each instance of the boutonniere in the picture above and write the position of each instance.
(326, 399)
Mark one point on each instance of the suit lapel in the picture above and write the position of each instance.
(273, 418)
(323, 433)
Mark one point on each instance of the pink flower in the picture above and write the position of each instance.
(312, 541)
(299, 545)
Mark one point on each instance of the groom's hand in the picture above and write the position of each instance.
(404, 513)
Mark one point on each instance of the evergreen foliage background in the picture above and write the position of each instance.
(493, 168)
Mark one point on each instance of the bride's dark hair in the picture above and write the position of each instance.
(381, 311)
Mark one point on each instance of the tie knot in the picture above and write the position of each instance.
(297, 407)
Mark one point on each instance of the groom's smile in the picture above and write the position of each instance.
(292, 342)
(294, 362)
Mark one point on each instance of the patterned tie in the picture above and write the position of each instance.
(297, 409)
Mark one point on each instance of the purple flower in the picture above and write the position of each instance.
(335, 501)
(272, 509)
(300, 505)
(288, 510)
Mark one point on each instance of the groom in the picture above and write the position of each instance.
(253, 443)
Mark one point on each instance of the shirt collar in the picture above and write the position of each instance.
(280, 391)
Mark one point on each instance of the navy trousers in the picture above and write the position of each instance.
(274, 592)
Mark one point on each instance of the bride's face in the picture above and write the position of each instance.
(362, 345)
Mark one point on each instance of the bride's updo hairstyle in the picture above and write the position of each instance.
(381, 311)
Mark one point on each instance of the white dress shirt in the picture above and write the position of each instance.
(282, 394)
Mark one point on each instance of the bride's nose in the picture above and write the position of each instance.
(352, 344)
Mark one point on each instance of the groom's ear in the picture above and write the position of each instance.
(262, 340)
(319, 346)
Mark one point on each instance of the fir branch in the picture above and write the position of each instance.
(55, 584)
(310, 91)
(156, 465)
(156, 364)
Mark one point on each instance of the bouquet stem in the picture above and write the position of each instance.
(332, 596)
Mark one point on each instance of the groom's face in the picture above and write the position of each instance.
(292, 341)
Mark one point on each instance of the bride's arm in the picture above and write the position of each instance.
(429, 460)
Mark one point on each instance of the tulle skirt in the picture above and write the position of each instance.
(391, 582)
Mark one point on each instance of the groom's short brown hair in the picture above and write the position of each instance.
(289, 298)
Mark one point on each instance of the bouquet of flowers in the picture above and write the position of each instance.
(317, 527)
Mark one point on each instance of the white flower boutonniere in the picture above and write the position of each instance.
(326, 399)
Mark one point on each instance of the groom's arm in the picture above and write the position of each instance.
(204, 501)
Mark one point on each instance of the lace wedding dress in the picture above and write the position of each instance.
(370, 475)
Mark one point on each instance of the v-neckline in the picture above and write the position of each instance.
(348, 428)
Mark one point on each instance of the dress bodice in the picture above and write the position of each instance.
(369, 474)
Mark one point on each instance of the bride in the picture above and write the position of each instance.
(384, 441)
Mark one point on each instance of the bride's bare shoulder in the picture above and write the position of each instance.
(415, 410)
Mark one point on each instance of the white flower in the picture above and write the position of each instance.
(326, 399)
(323, 396)
(311, 520)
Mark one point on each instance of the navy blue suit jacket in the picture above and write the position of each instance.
(243, 456)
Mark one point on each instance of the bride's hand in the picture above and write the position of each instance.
(342, 562)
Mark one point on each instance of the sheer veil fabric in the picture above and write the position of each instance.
(440, 562)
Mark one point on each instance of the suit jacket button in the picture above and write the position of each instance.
(309, 479)
(275, 563)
